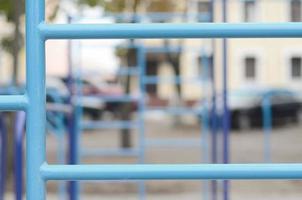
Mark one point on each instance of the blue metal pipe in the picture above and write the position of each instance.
(141, 60)
(174, 110)
(213, 115)
(175, 142)
(175, 80)
(13, 102)
(157, 16)
(166, 30)
(128, 71)
(167, 171)
(110, 152)
(204, 119)
(226, 113)
(267, 126)
(3, 166)
(153, 16)
(18, 154)
(88, 125)
(125, 98)
(73, 151)
(36, 112)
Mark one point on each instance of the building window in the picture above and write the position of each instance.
(152, 70)
(295, 11)
(250, 68)
(249, 9)
(204, 10)
(204, 7)
(296, 67)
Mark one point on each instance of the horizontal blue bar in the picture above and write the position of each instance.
(153, 16)
(175, 142)
(169, 172)
(13, 102)
(122, 98)
(110, 152)
(89, 125)
(124, 71)
(170, 30)
(174, 110)
(175, 80)
(168, 49)
(159, 16)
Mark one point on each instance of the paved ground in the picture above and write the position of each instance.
(246, 147)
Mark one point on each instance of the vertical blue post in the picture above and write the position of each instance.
(75, 140)
(18, 154)
(204, 121)
(73, 152)
(226, 115)
(267, 126)
(35, 87)
(214, 108)
(142, 68)
(3, 141)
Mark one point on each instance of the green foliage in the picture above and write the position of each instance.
(92, 3)
(7, 43)
(7, 8)
(161, 6)
(109, 5)
(121, 5)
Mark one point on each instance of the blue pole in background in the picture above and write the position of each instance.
(142, 68)
(226, 114)
(214, 108)
(73, 124)
(3, 141)
(205, 118)
(18, 153)
(267, 126)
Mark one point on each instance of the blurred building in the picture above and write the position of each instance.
(251, 62)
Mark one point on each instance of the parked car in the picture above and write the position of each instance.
(101, 91)
(246, 107)
(56, 88)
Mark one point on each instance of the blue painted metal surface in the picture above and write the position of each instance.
(267, 126)
(90, 125)
(34, 102)
(226, 112)
(213, 113)
(35, 90)
(205, 118)
(73, 124)
(110, 152)
(18, 154)
(141, 60)
(13, 102)
(57, 127)
(3, 146)
(170, 172)
(167, 30)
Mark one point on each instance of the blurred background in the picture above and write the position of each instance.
(158, 100)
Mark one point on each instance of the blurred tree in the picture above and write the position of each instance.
(135, 6)
(13, 10)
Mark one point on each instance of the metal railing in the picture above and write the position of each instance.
(33, 102)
